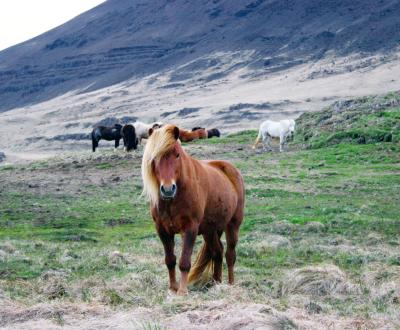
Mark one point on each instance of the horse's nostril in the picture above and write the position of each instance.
(169, 191)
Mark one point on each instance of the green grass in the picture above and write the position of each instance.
(6, 168)
(362, 121)
(352, 190)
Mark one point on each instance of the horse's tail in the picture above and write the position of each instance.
(202, 269)
(257, 141)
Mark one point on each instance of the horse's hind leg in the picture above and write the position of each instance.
(232, 234)
(216, 250)
(266, 142)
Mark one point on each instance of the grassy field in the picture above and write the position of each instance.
(320, 235)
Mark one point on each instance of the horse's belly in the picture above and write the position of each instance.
(220, 210)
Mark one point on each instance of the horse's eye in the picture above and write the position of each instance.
(177, 155)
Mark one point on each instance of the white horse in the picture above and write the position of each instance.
(142, 129)
(274, 129)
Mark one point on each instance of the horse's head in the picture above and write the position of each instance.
(162, 162)
(157, 125)
(130, 138)
(292, 125)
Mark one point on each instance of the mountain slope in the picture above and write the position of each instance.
(121, 39)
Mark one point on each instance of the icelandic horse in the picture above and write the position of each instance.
(188, 136)
(192, 197)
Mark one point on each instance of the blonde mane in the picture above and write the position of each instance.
(159, 143)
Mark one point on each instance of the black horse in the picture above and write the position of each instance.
(116, 133)
(107, 133)
(213, 132)
(129, 136)
(210, 133)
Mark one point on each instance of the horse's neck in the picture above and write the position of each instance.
(189, 169)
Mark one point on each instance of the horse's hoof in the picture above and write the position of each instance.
(181, 292)
(174, 288)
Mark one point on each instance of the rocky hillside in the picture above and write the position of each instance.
(364, 120)
(121, 39)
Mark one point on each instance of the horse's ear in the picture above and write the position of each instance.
(176, 133)
(151, 130)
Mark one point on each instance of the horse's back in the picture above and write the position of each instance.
(225, 194)
(275, 128)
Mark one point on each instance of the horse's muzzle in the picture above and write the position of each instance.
(168, 192)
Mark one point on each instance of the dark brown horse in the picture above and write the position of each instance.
(128, 134)
(187, 136)
(210, 133)
(192, 197)
(213, 132)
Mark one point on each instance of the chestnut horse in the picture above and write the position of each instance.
(192, 197)
(210, 133)
(187, 136)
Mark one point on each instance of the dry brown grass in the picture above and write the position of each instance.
(317, 281)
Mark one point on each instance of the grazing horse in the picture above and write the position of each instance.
(192, 197)
(213, 132)
(210, 133)
(106, 133)
(142, 129)
(187, 136)
(129, 136)
(274, 129)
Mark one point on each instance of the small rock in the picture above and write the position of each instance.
(272, 242)
(53, 274)
(3, 255)
(374, 239)
(116, 179)
(115, 256)
(314, 227)
(283, 227)
(54, 290)
(313, 308)
(7, 247)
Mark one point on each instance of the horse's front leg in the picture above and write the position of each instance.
(116, 143)
(189, 237)
(170, 258)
